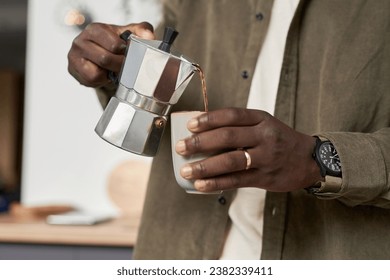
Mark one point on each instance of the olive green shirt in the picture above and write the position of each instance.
(334, 83)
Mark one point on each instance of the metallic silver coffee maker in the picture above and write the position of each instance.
(152, 79)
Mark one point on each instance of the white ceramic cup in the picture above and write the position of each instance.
(179, 131)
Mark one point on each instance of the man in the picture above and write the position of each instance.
(333, 84)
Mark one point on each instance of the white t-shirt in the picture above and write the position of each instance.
(244, 239)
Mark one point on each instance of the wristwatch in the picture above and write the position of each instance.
(327, 158)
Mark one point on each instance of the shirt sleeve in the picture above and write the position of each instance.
(365, 161)
(171, 12)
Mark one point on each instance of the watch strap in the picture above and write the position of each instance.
(331, 185)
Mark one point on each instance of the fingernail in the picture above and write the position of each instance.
(186, 172)
(193, 123)
(200, 185)
(180, 147)
(123, 46)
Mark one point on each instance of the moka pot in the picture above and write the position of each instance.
(151, 81)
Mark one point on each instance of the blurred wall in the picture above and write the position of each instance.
(64, 161)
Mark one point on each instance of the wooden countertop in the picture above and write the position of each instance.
(119, 232)
(28, 224)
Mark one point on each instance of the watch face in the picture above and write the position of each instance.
(330, 159)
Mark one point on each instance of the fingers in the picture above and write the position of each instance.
(143, 30)
(94, 52)
(218, 139)
(89, 63)
(101, 56)
(88, 73)
(279, 158)
(214, 166)
(223, 129)
(104, 35)
(224, 171)
(226, 182)
(227, 117)
(99, 49)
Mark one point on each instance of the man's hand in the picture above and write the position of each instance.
(99, 49)
(281, 158)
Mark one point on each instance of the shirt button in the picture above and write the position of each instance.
(274, 211)
(245, 74)
(222, 200)
(259, 16)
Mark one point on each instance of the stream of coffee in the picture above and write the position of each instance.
(204, 88)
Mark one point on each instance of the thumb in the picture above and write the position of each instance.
(143, 30)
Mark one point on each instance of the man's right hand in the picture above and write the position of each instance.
(98, 49)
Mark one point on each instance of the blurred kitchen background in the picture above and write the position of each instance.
(51, 160)
(13, 32)
(49, 152)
